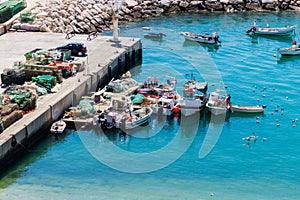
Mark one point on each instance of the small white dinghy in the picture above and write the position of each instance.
(58, 127)
(248, 109)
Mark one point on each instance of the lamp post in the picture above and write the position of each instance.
(115, 4)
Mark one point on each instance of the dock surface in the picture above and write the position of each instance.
(104, 57)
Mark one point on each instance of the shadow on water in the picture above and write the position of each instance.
(33, 154)
(285, 59)
(208, 47)
(245, 115)
(255, 38)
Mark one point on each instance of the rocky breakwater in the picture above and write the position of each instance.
(87, 16)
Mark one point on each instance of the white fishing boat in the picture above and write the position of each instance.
(247, 109)
(58, 127)
(190, 103)
(135, 118)
(281, 31)
(289, 51)
(218, 104)
(207, 39)
(166, 103)
(153, 87)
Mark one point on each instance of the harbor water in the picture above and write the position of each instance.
(197, 157)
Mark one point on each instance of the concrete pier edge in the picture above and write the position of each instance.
(32, 127)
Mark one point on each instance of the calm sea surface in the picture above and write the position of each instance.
(192, 158)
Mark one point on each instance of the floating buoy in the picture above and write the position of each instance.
(281, 112)
(257, 121)
(287, 97)
(272, 113)
(263, 95)
(296, 119)
(212, 194)
(257, 100)
(275, 55)
(271, 99)
(293, 120)
(264, 139)
(277, 120)
(277, 124)
(255, 86)
(278, 105)
(294, 125)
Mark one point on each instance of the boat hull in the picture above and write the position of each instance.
(285, 31)
(198, 38)
(247, 109)
(217, 110)
(289, 52)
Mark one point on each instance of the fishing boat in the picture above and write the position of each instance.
(154, 35)
(191, 101)
(207, 39)
(247, 109)
(166, 103)
(58, 127)
(153, 87)
(135, 118)
(289, 51)
(281, 31)
(218, 104)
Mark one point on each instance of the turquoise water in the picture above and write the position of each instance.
(66, 167)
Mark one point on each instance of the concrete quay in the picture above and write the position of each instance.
(105, 60)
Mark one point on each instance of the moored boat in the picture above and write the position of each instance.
(207, 39)
(277, 31)
(58, 127)
(135, 118)
(247, 109)
(154, 35)
(191, 102)
(289, 51)
(217, 104)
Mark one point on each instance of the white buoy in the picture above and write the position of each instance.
(264, 139)
(263, 95)
(275, 55)
(294, 125)
(277, 120)
(293, 120)
(272, 113)
(281, 112)
(287, 97)
(277, 124)
(296, 119)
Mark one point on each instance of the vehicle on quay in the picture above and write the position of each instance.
(76, 48)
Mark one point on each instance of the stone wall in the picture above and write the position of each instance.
(86, 16)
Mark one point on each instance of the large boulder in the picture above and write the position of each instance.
(130, 3)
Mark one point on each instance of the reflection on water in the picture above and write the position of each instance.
(285, 59)
(208, 47)
(257, 38)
